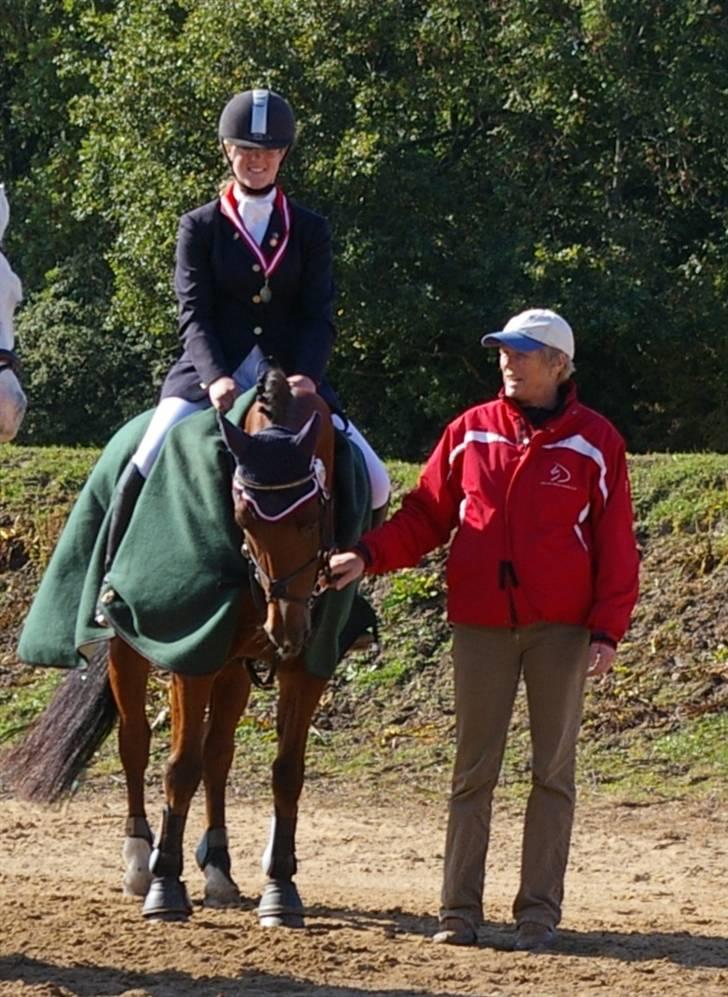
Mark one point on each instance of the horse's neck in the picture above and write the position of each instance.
(11, 293)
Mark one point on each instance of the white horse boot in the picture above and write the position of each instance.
(135, 853)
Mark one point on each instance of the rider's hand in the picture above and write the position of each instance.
(302, 382)
(345, 568)
(222, 393)
(601, 659)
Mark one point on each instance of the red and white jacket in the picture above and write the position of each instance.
(542, 520)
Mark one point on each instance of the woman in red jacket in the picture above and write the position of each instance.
(542, 577)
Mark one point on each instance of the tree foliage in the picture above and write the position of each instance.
(474, 158)
(85, 378)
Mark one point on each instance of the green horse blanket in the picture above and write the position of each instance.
(178, 576)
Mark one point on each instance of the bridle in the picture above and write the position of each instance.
(267, 589)
(9, 361)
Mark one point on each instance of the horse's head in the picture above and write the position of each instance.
(4, 211)
(281, 491)
(12, 398)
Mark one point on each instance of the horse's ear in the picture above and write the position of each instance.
(308, 435)
(235, 439)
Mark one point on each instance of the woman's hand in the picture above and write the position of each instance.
(601, 659)
(222, 393)
(345, 568)
(302, 382)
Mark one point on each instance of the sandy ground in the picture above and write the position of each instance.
(646, 910)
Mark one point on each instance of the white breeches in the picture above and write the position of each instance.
(169, 412)
(172, 410)
(378, 475)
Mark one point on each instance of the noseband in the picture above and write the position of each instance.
(9, 361)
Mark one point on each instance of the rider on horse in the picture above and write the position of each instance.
(253, 278)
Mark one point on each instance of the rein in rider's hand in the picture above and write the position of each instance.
(222, 393)
(302, 382)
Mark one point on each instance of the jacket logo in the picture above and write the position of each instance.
(560, 475)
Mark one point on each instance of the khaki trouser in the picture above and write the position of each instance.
(488, 663)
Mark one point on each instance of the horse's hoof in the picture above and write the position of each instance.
(281, 905)
(220, 889)
(282, 921)
(137, 876)
(167, 900)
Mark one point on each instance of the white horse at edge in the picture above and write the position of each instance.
(12, 398)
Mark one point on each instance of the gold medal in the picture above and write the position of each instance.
(265, 293)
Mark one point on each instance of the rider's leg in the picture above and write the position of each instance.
(168, 412)
(123, 501)
(378, 474)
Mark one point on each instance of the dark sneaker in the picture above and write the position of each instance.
(455, 931)
(532, 937)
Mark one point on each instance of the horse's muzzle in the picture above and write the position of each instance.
(13, 405)
(288, 626)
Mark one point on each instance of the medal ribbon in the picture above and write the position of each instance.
(229, 207)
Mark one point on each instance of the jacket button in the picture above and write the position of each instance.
(256, 299)
(256, 268)
(258, 330)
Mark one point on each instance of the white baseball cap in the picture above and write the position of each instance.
(533, 329)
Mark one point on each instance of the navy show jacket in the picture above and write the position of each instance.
(217, 278)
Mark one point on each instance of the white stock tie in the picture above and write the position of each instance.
(256, 212)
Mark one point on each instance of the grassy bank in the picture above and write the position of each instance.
(656, 728)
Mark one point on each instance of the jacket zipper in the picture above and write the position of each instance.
(507, 577)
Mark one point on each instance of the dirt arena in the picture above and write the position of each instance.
(646, 910)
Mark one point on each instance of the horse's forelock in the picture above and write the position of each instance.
(274, 395)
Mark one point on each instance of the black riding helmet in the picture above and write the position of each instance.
(258, 119)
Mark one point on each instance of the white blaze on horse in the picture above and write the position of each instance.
(12, 398)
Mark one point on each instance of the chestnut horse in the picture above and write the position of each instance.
(281, 489)
(12, 399)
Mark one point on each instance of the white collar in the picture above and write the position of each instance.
(244, 199)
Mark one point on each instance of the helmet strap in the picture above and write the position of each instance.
(255, 191)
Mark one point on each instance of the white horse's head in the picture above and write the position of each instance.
(12, 399)
(4, 211)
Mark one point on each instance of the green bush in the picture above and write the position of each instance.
(83, 379)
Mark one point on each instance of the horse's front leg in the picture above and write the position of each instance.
(228, 701)
(299, 694)
(167, 898)
(128, 675)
